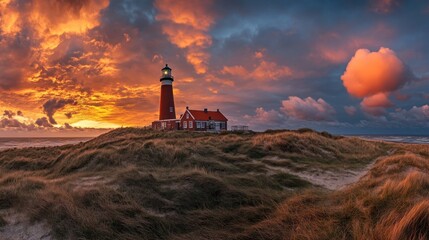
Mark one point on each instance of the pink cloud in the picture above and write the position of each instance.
(350, 110)
(270, 116)
(263, 118)
(414, 115)
(308, 109)
(383, 6)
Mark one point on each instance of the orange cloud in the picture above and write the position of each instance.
(369, 73)
(377, 100)
(186, 24)
(58, 17)
(373, 76)
(265, 70)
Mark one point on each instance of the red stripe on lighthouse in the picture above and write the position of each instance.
(166, 106)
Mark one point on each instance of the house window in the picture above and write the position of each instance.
(163, 125)
(185, 124)
(198, 124)
(222, 125)
(190, 124)
(187, 116)
(171, 109)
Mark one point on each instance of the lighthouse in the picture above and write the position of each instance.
(167, 112)
(166, 104)
(191, 120)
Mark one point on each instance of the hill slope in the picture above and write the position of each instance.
(141, 184)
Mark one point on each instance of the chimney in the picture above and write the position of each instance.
(205, 110)
(217, 110)
(187, 107)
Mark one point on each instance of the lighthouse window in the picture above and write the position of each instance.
(171, 109)
(185, 124)
(190, 124)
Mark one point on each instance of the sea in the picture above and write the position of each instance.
(6, 143)
(397, 138)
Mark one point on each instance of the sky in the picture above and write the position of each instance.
(79, 67)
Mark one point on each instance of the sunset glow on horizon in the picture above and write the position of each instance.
(351, 68)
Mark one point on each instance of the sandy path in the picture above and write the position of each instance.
(19, 227)
(329, 179)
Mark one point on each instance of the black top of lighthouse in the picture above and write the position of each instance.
(166, 73)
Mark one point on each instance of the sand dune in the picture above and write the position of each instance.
(141, 184)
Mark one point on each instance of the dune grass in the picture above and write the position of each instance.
(140, 184)
(390, 202)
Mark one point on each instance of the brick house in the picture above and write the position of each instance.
(203, 120)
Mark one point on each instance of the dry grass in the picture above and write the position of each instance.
(390, 202)
(141, 184)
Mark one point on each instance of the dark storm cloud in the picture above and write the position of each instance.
(53, 105)
(68, 115)
(8, 113)
(43, 122)
(15, 52)
(15, 120)
(14, 123)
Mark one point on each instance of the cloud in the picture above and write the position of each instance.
(268, 117)
(186, 23)
(53, 105)
(264, 119)
(43, 122)
(308, 109)
(14, 123)
(377, 100)
(15, 120)
(369, 73)
(373, 76)
(9, 113)
(265, 70)
(239, 56)
(350, 110)
(68, 115)
(416, 115)
(383, 6)
(31, 32)
(373, 111)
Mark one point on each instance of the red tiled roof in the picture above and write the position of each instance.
(201, 115)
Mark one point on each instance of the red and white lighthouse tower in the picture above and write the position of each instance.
(166, 104)
(167, 112)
